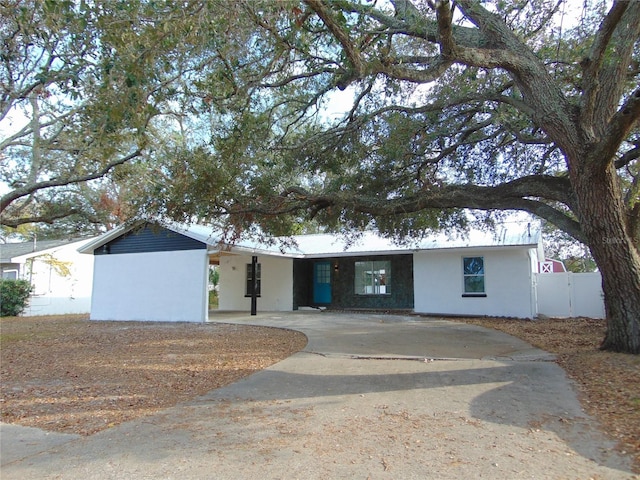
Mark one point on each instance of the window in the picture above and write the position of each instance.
(373, 278)
(10, 274)
(323, 272)
(473, 273)
(249, 280)
(546, 267)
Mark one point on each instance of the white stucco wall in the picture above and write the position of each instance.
(158, 286)
(276, 286)
(438, 283)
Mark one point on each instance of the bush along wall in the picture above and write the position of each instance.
(14, 296)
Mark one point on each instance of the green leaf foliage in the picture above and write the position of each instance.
(273, 116)
(14, 297)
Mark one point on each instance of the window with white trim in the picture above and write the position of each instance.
(473, 275)
(250, 278)
(372, 277)
(10, 274)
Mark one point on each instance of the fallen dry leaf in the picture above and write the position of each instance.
(68, 374)
(71, 375)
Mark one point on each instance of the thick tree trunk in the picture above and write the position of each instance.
(602, 216)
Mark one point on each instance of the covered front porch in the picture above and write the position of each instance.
(274, 281)
(373, 282)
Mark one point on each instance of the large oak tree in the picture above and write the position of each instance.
(491, 106)
(443, 107)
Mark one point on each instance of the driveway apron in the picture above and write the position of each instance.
(370, 397)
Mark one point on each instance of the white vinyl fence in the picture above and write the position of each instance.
(570, 295)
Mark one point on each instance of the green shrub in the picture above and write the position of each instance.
(213, 300)
(14, 295)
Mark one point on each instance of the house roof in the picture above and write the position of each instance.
(13, 252)
(327, 244)
(372, 243)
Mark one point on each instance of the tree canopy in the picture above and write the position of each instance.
(479, 112)
(490, 106)
(91, 90)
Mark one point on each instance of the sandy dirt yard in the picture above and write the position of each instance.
(69, 375)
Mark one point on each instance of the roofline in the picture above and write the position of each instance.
(258, 251)
(107, 237)
(37, 253)
(409, 251)
(175, 227)
(214, 245)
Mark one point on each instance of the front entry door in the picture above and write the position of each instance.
(322, 282)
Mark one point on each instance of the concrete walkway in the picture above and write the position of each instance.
(371, 396)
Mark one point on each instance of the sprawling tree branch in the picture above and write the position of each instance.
(49, 218)
(354, 56)
(533, 194)
(601, 72)
(618, 129)
(30, 188)
(628, 157)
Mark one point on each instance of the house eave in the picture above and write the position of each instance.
(337, 248)
(105, 238)
(409, 251)
(208, 237)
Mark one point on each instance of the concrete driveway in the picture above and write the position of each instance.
(371, 396)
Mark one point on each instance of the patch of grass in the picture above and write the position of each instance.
(23, 329)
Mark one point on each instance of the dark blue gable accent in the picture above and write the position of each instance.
(149, 238)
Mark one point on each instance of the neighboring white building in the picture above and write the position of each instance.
(150, 272)
(61, 277)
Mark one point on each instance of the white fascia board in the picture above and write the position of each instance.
(105, 238)
(242, 249)
(401, 251)
(481, 247)
(359, 253)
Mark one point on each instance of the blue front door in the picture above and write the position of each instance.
(322, 282)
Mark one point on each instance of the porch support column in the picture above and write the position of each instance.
(254, 283)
